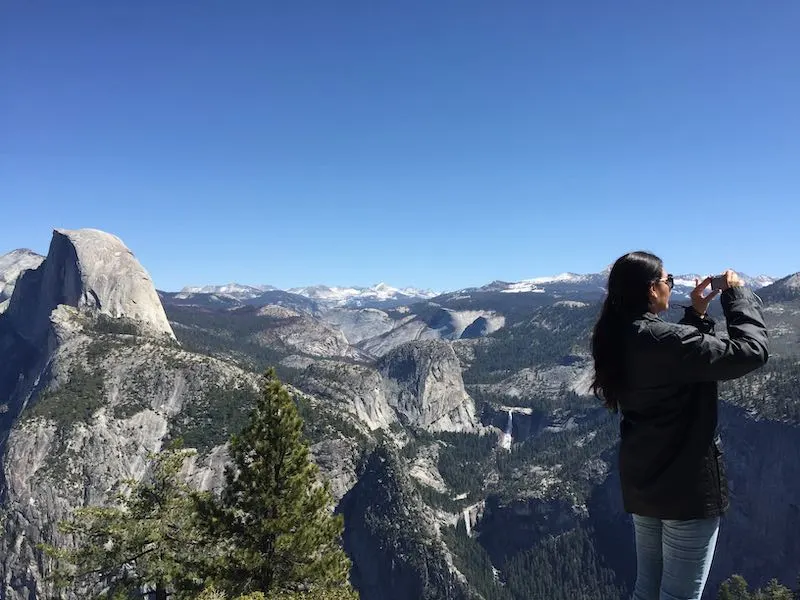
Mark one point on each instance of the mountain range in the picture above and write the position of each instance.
(380, 295)
(456, 430)
(384, 295)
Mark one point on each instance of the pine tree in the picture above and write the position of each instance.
(735, 588)
(140, 547)
(273, 518)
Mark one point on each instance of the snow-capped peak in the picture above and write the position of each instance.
(543, 284)
(563, 277)
(688, 280)
(233, 290)
(358, 296)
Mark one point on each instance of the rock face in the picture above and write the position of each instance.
(89, 269)
(397, 553)
(12, 265)
(784, 289)
(358, 389)
(418, 384)
(106, 401)
(759, 535)
(360, 324)
(426, 387)
(300, 333)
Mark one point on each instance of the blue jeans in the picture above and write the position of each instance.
(673, 558)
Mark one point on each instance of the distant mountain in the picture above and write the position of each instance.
(232, 290)
(379, 295)
(571, 286)
(12, 265)
(516, 300)
(684, 284)
(199, 300)
(785, 289)
(570, 283)
(223, 301)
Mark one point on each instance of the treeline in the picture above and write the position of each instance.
(737, 588)
(773, 391)
(566, 567)
(227, 334)
(550, 337)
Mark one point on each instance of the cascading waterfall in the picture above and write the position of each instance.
(505, 442)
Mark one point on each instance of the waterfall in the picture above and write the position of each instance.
(467, 522)
(505, 442)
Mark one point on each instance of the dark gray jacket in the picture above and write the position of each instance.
(671, 463)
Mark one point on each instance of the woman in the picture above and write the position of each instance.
(663, 378)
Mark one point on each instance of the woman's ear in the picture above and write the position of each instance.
(652, 295)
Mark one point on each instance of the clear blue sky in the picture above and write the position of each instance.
(432, 143)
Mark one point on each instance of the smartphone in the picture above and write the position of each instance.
(717, 282)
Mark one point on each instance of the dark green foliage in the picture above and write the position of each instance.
(145, 540)
(562, 568)
(75, 400)
(271, 531)
(344, 593)
(774, 390)
(465, 459)
(473, 561)
(559, 568)
(102, 323)
(103, 345)
(228, 334)
(220, 412)
(389, 528)
(570, 448)
(544, 402)
(272, 526)
(736, 588)
(550, 337)
(324, 423)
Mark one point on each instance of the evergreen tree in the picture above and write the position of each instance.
(736, 588)
(273, 521)
(141, 547)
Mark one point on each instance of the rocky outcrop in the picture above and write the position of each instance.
(390, 535)
(103, 403)
(12, 265)
(418, 384)
(358, 389)
(408, 329)
(782, 290)
(506, 529)
(86, 269)
(300, 333)
(426, 389)
(360, 324)
(759, 535)
(434, 323)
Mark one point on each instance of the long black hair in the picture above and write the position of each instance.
(628, 297)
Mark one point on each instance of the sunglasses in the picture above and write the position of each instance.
(670, 281)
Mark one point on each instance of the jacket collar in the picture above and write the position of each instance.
(649, 316)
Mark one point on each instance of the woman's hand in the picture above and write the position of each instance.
(732, 279)
(700, 300)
